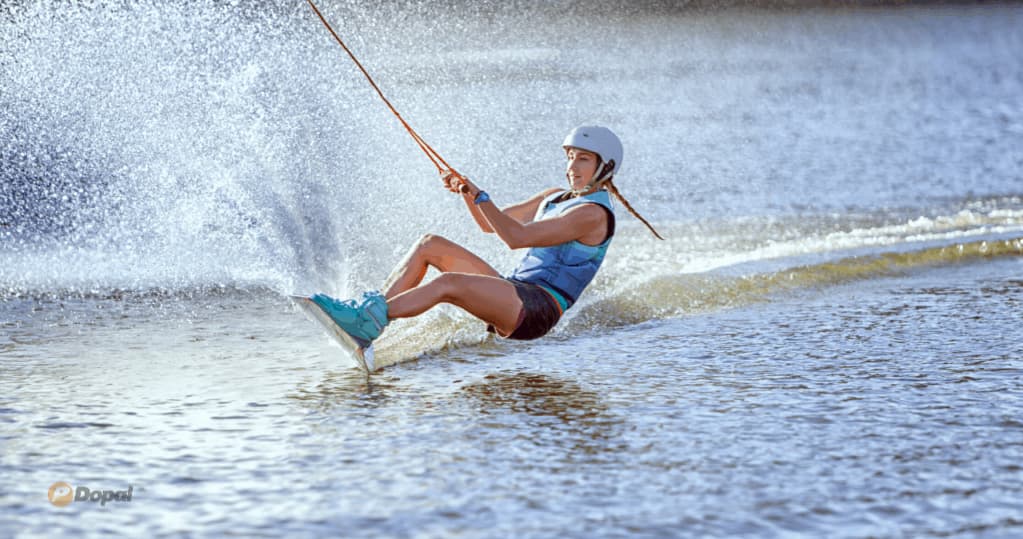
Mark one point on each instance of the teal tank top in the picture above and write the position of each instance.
(565, 269)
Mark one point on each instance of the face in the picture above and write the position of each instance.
(581, 167)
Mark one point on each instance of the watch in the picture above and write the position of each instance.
(481, 197)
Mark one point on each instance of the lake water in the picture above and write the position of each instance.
(827, 343)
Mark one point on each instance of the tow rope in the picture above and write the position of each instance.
(435, 158)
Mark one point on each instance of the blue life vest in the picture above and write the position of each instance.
(565, 269)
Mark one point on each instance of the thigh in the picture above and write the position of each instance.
(448, 256)
(491, 299)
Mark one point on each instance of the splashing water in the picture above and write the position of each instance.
(175, 145)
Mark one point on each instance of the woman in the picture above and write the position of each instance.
(568, 233)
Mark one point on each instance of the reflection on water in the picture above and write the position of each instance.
(537, 395)
(579, 414)
(347, 388)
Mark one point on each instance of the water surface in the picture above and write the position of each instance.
(827, 344)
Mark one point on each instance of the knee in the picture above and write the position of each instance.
(430, 242)
(448, 285)
(432, 248)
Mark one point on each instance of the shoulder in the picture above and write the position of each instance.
(598, 199)
(538, 197)
(598, 208)
(548, 192)
(588, 211)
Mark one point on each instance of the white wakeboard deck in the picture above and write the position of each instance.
(359, 350)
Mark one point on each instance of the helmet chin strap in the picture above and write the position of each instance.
(606, 173)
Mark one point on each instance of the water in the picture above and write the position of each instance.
(826, 345)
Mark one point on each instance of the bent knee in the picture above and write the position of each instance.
(451, 285)
(432, 242)
(438, 250)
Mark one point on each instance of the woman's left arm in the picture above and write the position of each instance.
(573, 225)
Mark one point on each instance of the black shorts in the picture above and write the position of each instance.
(540, 312)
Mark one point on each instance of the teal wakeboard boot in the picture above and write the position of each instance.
(364, 321)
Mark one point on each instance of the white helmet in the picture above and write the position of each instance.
(601, 141)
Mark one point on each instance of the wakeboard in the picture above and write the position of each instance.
(358, 349)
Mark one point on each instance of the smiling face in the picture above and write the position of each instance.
(581, 167)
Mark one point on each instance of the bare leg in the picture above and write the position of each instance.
(441, 253)
(489, 298)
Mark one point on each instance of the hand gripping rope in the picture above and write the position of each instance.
(435, 158)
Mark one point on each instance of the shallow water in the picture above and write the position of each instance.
(827, 344)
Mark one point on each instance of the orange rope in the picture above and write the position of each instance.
(435, 157)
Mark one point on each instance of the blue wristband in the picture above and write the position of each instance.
(481, 197)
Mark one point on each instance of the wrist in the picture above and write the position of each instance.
(481, 197)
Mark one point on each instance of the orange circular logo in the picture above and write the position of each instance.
(61, 494)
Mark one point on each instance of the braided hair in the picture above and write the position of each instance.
(614, 191)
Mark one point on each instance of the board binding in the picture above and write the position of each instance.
(358, 349)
